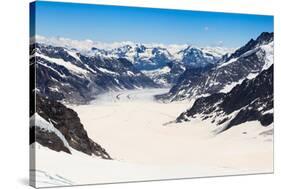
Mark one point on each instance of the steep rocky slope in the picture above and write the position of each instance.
(246, 62)
(63, 74)
(59, 128)
(249, 101)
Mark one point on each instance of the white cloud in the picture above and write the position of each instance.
(220, 43)
(87, 45)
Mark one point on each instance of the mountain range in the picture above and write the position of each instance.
(77, 74)
(232, 69)
(252, 100)
(230, 86)
(67, 75)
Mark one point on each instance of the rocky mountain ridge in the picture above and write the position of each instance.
(245, 63)
(252, 100)
(59, 128)
(67, 75)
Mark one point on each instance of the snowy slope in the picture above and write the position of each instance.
(135, 52)
(245, 63)
(59, 128)
(37, 121)
(252, 100)
(149, 58)
(149, 149)
(66, 74)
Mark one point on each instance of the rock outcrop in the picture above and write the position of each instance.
(66, 125)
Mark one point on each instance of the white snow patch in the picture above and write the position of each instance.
(227, 63)
(37, 121)
(49, 67)
(68, 65)
(107, 71)
(73, 54)
(218, 51)
(267, 49)
(269, 55)
(89, 68)
(227, 88)
(130, 73)
(159, 71)
(252, 75)
(117, 81)
(268, 112)
(54, 89)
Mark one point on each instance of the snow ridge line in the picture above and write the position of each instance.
(37, 121)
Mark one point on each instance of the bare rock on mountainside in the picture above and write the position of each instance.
(68, 75)
(67, 126)
(245, 63)
(252, 100)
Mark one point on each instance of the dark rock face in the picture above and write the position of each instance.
(63, 74)
(75, 87)
(160, 57)
(264, 38)
(68, 123)
(194, 57)
(143, 58)
(249, 101)
(48, 139)
(177, 68)
(167, 75)
(191, 59)
(230, 70)
(192, 76)
(152, 59)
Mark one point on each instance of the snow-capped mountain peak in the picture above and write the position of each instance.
(245, 63)
(137, 52)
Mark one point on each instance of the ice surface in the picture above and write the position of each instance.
(145, 143)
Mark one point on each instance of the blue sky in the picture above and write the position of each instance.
(145, 25)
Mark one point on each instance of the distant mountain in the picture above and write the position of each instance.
(217, 52)
(158, 63)
(264, 38)
(155, 57)
(135, 52)
(144, 58)
(66, 74)
(59, 128)
(246, 62)
(196, 58)
(167, 75)
(252, 100)
(151, 59)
